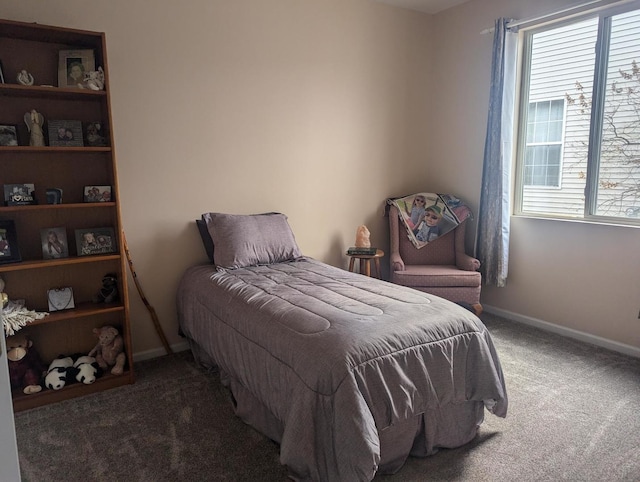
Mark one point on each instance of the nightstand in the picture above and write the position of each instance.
(365, 262)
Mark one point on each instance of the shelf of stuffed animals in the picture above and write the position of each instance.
(22, 401)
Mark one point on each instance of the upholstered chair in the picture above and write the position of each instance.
(441, 268)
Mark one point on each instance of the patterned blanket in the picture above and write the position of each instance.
(427, 215)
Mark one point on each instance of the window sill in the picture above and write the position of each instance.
(615, 224)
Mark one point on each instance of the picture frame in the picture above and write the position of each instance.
(54, 195)
(94, 241)
(1, 73)
(19, 194)
(60, 299)
(54, 243)
(65, 133)
(8, 134)
(72, 66)
(9, 249)
(95, 194)
(95, 134)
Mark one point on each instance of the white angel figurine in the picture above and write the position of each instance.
(35, 121)
(24, 78)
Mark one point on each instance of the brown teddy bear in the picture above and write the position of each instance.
(109, 352)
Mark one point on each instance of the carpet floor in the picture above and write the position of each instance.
(574, 415)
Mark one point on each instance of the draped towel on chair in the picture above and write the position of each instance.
(427, 216)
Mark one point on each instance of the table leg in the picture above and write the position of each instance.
(351, 263)
(367, 266)
(378, 274)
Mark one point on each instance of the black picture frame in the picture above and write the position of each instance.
(97, 194)
(19, 194)
(1, 73)
(9, 135)
(65, 133)
(95, 134)
(54, 243)
(94, 241)
(9, 249)
(54, 195)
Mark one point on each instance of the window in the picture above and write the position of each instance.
(544, 143)
(579, 130)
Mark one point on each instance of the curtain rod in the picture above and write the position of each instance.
(582, 7)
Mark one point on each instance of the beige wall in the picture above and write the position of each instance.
(579, 276)
(321, 109)
(306, 107)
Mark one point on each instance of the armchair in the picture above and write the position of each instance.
(441, 268)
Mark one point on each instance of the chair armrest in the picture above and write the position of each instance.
(466, 262)
(396, 262)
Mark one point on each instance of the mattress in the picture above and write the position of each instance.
(349, 374)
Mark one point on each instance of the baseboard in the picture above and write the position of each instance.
(564, 331)
(156, 352)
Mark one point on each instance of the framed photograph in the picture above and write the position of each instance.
(95, 241)
(60, 299)
(54, 195)
(97, 194)
(8, 135)
(95, 134)
(9, 252)
(1, 73)
(19, 194)
(72, 65)
(65, 133)
(54, 243)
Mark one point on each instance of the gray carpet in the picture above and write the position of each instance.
(574, 415)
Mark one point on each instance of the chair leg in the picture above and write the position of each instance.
(477, 308)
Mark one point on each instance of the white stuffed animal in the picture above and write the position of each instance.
(58, 373)
(94, 80)
(86, 369)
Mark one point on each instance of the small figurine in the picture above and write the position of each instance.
(93, 80)
(25, 78)
(362, 237)
(34, 121)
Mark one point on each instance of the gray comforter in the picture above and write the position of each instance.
(349, 374)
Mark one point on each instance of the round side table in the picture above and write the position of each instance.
(365, 262)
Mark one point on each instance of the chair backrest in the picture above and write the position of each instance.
(440, 251)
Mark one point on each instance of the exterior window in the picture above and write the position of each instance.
(544, 143)
(579, 142)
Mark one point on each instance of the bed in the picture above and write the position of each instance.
(349, 374)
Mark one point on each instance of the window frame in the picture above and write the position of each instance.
(530, 144)
(595, 125)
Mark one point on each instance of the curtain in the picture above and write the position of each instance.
(492, 246)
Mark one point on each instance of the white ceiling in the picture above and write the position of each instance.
(427, 6)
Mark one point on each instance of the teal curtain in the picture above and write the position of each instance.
(492, 246)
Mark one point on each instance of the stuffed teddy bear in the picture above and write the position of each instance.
(58, 373)
(109, 291)
(25, 366)
(86, 369)
(109, 352)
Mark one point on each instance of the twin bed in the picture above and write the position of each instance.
(349, 374)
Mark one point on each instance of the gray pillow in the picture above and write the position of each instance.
(242, 240)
